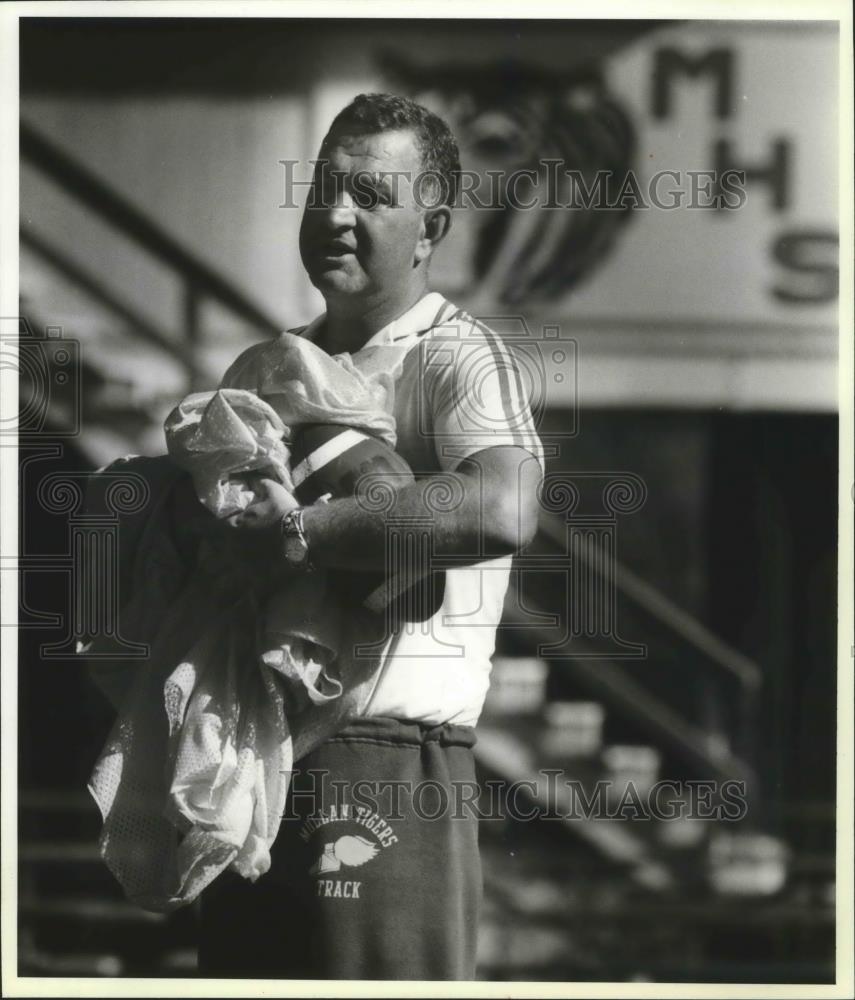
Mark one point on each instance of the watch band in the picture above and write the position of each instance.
(294, 540)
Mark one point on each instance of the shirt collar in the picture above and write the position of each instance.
(428, 312)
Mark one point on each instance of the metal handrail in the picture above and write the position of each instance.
(199, 278)
(664, 610)
(97, 290)
(608, 680)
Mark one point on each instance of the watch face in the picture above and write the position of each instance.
(295, 550)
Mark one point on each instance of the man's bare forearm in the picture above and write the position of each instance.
(350, 534)
(488, 508)
(486, 511)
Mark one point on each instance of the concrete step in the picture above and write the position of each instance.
(91, 910)
(513, 755)
(59, 852)
(33, 961)
(84, 928)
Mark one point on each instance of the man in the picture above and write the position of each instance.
(388, 887)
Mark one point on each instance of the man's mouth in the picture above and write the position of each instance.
(334, 250)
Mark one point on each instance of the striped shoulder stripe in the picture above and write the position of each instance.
(513, 396)
(506, 362)
(457, 314)
(441, 316)
(518, 406)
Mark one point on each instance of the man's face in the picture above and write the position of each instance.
(359, 242)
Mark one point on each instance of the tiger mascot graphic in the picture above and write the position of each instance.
(563, 130)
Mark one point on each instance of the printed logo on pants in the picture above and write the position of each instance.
(346, 849)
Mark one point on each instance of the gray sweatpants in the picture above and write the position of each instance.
(376, 872)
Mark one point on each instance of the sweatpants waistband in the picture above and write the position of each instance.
(405, 732)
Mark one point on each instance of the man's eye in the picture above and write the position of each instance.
(323, 192)
(365, 196)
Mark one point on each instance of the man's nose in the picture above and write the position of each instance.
(340, 212)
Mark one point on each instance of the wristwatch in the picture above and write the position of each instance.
(294, 540)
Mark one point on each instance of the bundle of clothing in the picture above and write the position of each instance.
(242, 676)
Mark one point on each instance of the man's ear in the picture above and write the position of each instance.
(436, 223)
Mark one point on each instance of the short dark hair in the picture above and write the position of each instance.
(368, 114)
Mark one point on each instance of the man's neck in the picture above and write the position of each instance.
(348, 327)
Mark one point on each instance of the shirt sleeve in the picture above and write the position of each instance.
(474, 394)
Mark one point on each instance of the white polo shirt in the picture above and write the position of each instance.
(459, 391)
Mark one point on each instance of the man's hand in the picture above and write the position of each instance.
(272, 502)
(248, 540)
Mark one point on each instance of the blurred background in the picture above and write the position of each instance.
(698, 379)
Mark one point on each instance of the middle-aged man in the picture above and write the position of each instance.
(389, 887)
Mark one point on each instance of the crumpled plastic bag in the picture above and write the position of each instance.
(194, 776)
(220, 437)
